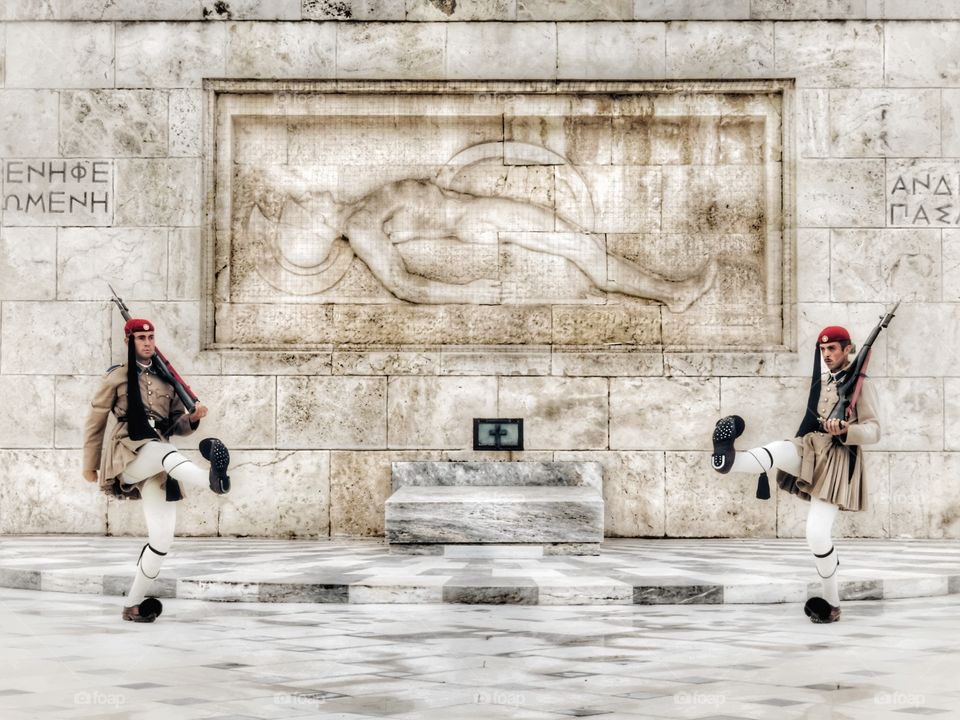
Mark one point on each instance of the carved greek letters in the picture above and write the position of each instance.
(57, 192)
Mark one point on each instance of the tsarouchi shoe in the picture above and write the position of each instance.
(216, 453)
(146, 612)
(820, 611)
(727, 430)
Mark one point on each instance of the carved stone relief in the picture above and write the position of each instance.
(470, 214)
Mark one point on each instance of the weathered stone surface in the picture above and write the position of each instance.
(122, 10)
(951, 265)
(278, 494)
(628, 197)
(932, 10)
(158, 192)
(924, 495)
(278, 50)
(378, 50)
(43, 492)
(184, 263)
(60, 55)
(633, 491)
(607, 325)
(79, 346)
(951, 420)
(561, 414)
(331, 412)
(820, 54)
(885, 265)
(501, 51)
(461, 11)
(385, 363)
(807, 9)
(72, 397)
(921, 54)
(175, 55)
(243, 409)
(663, 413)
(729, 364)
(885, 123)
(497, 474)
(359, 487)
(28, 421)
(813, 123)
(265, 362)
(813, 265)
(606, 364)
(28, 123)
(437, 412)
(133, 260)
(610, 51)
(691, 10)
(574, 10)
(917, 324)
(495, 362)
(700, 503)
(729, 201)
(123, 123)
(186, 116)
(915, 403)
(719, 49)
(28, 263)
(251, 10)
(353, 9)
(840, 193)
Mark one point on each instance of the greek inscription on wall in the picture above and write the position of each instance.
(923, 193)
(57, 192)
(635, 219)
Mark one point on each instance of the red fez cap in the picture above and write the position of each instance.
(134, 325)
(833, 333)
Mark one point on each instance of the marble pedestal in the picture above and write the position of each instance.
(495, 508)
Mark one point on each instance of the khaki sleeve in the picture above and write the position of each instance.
(866, 430)
(96, 424)
(182, 426)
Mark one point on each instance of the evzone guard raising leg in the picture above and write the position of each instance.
(822, 464)
(138, 461)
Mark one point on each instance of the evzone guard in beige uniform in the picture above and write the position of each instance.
(138, 461)
(823, 464)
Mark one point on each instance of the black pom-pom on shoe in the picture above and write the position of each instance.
(820, 611)
(146, 612)
(727, 430)
(216, 453)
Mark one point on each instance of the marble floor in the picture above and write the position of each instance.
(626, 572)
(69, 656)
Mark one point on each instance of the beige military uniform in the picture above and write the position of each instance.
(825, 462)
(162, 406)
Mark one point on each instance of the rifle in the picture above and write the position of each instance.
(164, 368)
(849, 388)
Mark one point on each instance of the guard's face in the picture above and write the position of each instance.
(143, 345)
(834, 356)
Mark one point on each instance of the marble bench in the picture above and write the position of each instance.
(444, 507)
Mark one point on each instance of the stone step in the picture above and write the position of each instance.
(496, 514)
(559, 473)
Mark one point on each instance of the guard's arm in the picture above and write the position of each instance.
(866, 430)
(96, 423)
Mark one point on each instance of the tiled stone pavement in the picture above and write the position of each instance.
(625, 571)
(70, 657)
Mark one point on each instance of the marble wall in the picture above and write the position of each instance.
(106, 160)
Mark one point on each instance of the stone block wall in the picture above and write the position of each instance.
(104, 101)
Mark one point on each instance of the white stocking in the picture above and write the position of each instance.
(156, 457)
(161, 517)
(780, 455)
(819, 528)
